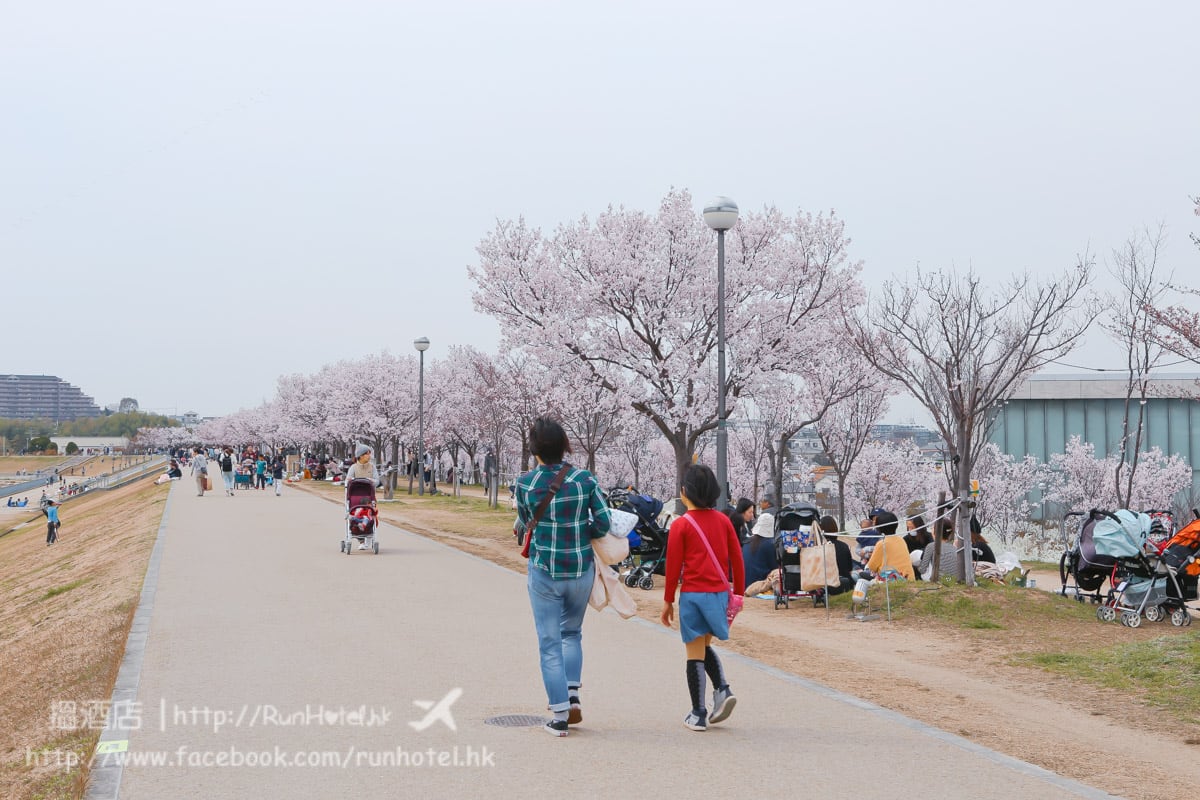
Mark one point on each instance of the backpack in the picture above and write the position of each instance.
(226, 463)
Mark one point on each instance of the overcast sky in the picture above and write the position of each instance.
(217, 194)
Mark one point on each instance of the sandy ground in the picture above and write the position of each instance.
(958, 680)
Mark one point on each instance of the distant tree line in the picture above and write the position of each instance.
(22, 430)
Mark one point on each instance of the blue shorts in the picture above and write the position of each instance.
(701, 613)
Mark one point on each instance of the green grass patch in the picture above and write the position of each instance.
(66, 587)
(1166, 670)
(986, 606)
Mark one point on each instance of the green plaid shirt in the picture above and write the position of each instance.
(562, 542)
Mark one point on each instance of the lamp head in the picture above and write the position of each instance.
(721, 214)
(421, 344)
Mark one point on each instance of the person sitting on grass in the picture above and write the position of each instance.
(948, 564)
(890, 553)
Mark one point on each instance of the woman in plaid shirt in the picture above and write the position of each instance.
(561, 571)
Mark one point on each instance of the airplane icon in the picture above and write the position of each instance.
(438, 711)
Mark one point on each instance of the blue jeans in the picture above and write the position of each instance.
(228, 478)
(558, 609)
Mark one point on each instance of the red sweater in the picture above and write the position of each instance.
(687, 556)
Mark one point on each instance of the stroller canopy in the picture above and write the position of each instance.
(797, 516)
(1122, 534)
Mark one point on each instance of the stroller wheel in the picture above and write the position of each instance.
(1180, 617)
(647, 582)
(375, 548)
(1106, 613)
(1155, 613)
(1131, 619)
(342, 547)
(631, 580)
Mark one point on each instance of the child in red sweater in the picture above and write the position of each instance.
(704, 592)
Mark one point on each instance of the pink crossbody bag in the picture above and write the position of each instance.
(734, 607)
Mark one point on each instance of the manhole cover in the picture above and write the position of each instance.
(516, 721)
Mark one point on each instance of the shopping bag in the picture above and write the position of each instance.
(818, 565)
(207, 484)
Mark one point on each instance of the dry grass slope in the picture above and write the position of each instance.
(65, 612)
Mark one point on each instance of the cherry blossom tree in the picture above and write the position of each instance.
(463, 424)
(1005, 483)
(631, 297)
(962, 348)
(482, 380)
(590, 413)
(844, 431)
(1079, 481)
(304, 404)
(891, 476)
(638, 457)
(751, 452)
(833, 374)
(372, 399)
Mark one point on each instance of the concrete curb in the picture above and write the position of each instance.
(108, 763)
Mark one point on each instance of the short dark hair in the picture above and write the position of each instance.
(886, 523)
(548, 441)
(744, 505)
(700, 485)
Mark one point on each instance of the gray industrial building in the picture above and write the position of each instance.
(1048, 410)
(43, 397)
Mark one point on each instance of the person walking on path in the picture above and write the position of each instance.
(362, 467)
(278, 468)
(226, 462)
(199, 470)
(260, 471)
(52, 522)
(704, 592)
(561, 568)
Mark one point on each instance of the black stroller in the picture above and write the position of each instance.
(1083, 570)
(647, 540)
(793, 530)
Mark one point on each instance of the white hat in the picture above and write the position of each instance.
(361, 451)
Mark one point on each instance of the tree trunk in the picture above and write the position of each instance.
(963, 492)
(939, 525)
(841, 488)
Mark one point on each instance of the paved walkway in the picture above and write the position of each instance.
(264, 639)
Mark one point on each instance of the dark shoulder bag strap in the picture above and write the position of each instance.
(555, 485)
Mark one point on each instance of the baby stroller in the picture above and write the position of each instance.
(1082, 568)
(1182, 555)
(793, 530)
(1143, 584)
(647, 540)
(362, 516)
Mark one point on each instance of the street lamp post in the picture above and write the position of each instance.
(721, 215)
(422, 345)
